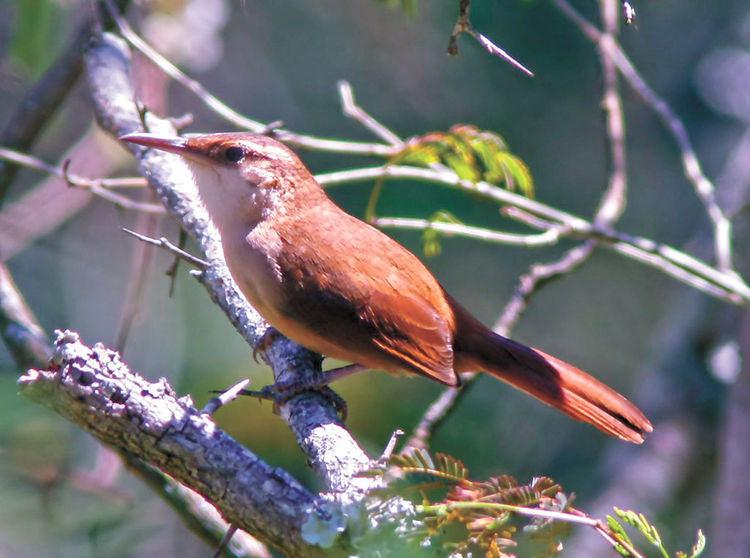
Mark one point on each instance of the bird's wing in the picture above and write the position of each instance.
(370, 300)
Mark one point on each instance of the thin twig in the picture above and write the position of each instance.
(23, 336)
(169, 247)
(391, 445)
(232, 116)
(704, 188)
(141, 259)
(98, 187)
(32, 162)
(547, 238)
(612, 203)
(726, 286)
(224, 542)
(463, 25)
(215, 403)
(353, 110)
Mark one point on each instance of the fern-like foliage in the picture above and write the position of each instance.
(473, 154)
(649, 532)
(463, 517)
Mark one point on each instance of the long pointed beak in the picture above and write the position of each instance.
(173, 144)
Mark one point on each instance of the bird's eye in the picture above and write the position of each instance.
(234, 154)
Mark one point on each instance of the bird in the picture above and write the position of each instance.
(344, 289)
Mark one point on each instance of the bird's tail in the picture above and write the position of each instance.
(553, 381)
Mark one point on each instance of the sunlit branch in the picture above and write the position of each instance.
(727, 286)
(232, 116)
(478, 233)
(353, 110)
(690, 163)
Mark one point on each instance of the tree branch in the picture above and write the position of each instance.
(232, 116)
(704, 188)
(94, 389)
(44, 98)
(726, 286)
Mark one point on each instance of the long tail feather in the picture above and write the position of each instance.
(551, 380)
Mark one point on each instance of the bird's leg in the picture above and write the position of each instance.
(281, 392)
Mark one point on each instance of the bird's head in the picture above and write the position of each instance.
(239, 175)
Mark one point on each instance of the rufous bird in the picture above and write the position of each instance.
(344, 289)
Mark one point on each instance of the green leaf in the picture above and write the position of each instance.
(699, 546)
(474, 155)
(431, 237)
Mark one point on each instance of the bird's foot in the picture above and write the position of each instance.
(281, 392)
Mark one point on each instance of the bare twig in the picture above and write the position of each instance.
(547, 238)
(726, 286)
(224, 542)
(612, 203)
(215, 403)
(98, 187)
(22, 334)
(163, 242)
(141, 259)
(353, 110)
(232, 116)
(463, 25)
(391, 445)
(690, 163)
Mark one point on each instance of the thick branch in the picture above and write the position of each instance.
(94, 389)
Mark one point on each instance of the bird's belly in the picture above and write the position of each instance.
(256, 273)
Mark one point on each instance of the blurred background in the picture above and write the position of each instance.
(671, 350)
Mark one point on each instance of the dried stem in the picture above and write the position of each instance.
(463, 25)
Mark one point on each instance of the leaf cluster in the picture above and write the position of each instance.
(464, 517)
(474, 155)
(649, 532)
(475, 518)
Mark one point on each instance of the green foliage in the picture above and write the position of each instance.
(649, 532)
(473, 154)
(463, 517)
(476, 518)
(431, 237)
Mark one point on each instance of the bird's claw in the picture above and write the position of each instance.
(282, 392)
(265, 341)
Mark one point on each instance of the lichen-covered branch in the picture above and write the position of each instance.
(94, 389)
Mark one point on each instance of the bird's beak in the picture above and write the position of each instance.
(173, 144)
